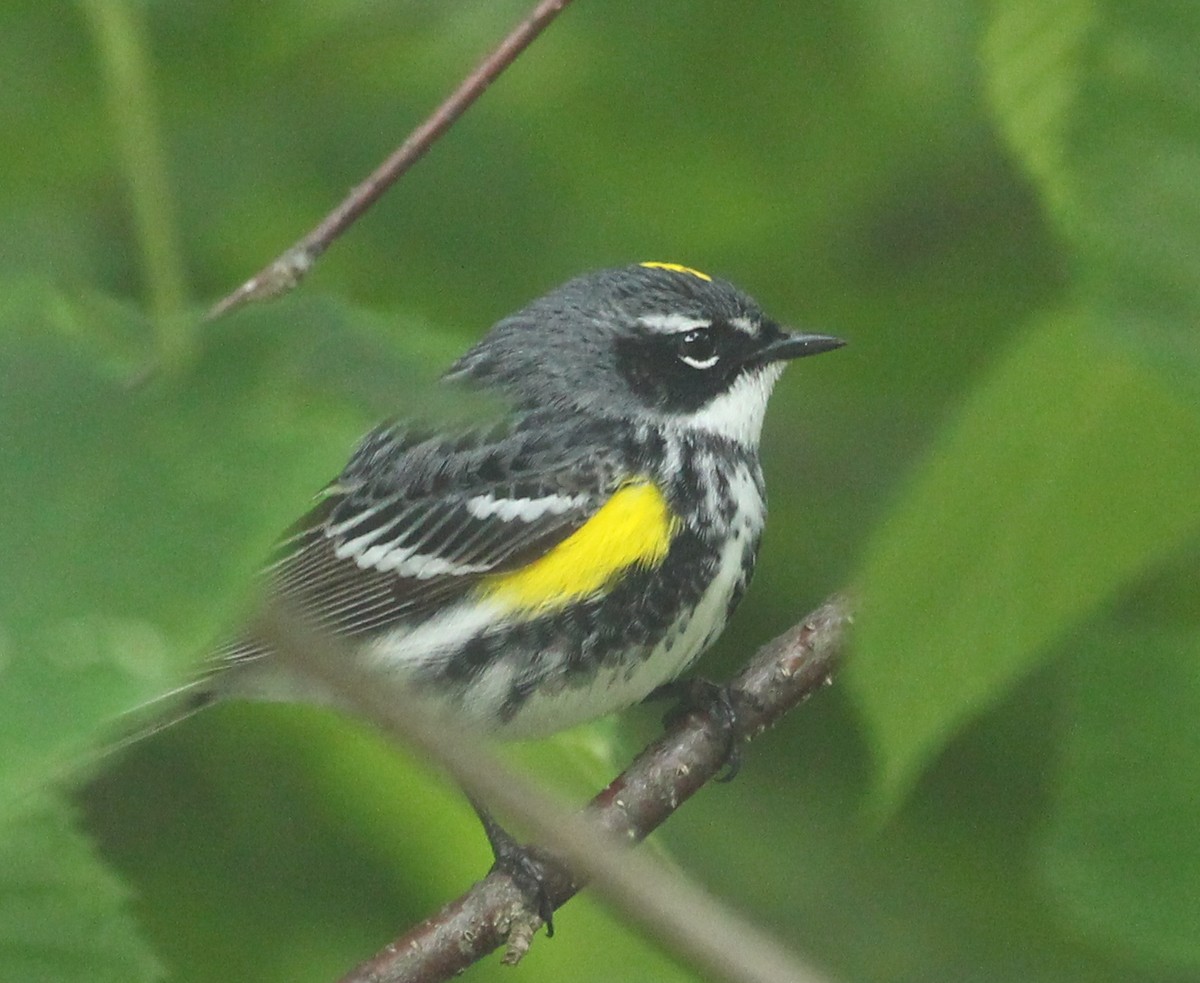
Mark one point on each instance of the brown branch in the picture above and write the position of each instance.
(286, 271)
(494, 912)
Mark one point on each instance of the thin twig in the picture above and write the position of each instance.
(683, 917)
(119, 33)
(290, 267)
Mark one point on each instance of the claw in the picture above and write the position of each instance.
(529, 875)
(705, 695)
(527, 870)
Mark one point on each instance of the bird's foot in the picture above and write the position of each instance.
(528, 871)
(703, 695)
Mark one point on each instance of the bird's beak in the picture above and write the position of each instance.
(795, 344)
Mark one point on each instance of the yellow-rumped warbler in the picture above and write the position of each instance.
(567, 565)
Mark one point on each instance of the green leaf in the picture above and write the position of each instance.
(59, 687)
(1033, 55)
(1120, 849)
(62, 914)
(1068, 472)
(139, 511)
(282, 844)
(1099, 99)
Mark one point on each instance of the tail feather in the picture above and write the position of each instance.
(159, 713)
(221, 676)
(170, 708)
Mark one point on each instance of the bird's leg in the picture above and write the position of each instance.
(527, 870)
(700, 694)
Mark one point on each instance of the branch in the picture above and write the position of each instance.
(683, 917)
(286, 271)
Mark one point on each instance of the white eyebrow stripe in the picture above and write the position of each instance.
(673, 323)
(745, 325)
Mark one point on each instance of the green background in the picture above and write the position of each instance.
(997, 204)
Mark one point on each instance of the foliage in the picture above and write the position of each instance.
(999, 208)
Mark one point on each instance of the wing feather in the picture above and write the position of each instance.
(409, 526)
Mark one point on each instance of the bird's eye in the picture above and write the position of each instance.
(697, 349)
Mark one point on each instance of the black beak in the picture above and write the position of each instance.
(794, 344)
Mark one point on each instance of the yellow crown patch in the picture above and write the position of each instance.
(677, 268)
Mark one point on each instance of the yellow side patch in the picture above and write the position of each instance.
(632, 529)
(677, 268)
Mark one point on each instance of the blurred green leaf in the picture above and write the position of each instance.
(1033, 53)
(994, 553)
(1120, 846)
(1099, 98)
(145, 508)
(1069, 471)
(59, 687)
(260, 799)
(62, 914)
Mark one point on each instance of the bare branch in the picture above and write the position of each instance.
(286, 271)
(682, 916)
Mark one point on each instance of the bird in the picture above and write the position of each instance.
(570, 559)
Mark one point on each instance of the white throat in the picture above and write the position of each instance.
(737, 414)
